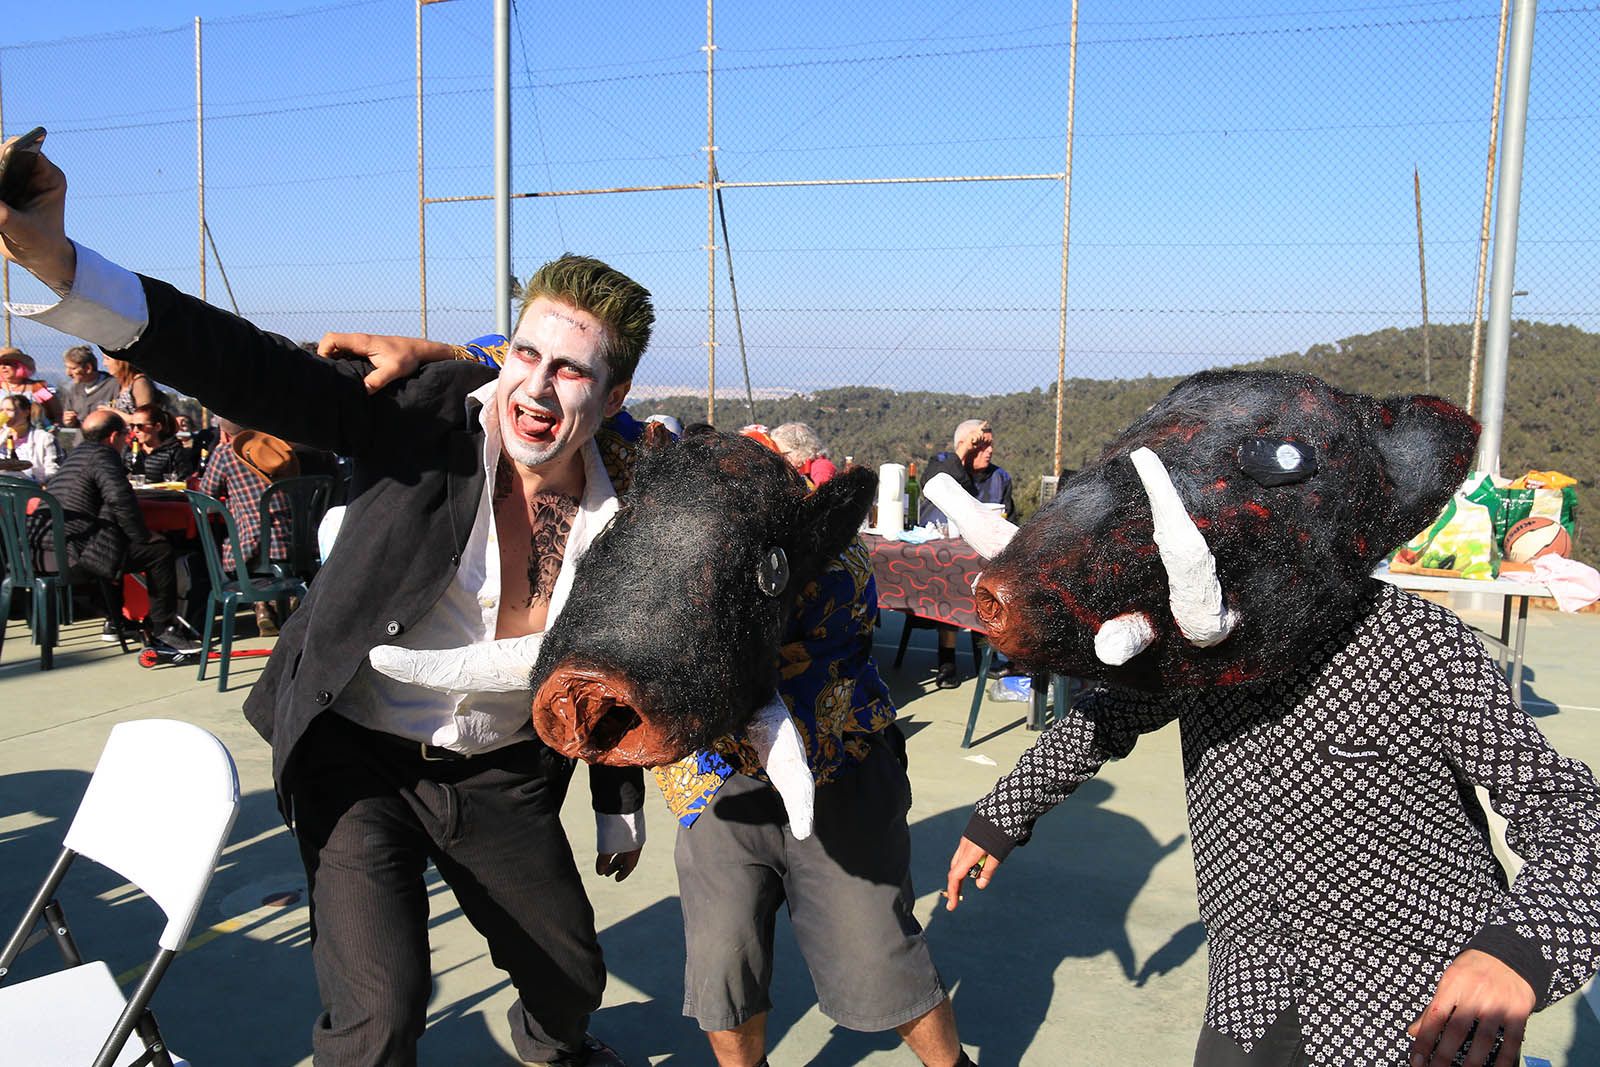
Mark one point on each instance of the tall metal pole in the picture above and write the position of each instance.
(5, 265)
(1488, 197)
(1422, 271)
(422, 202)
(1501, 282)
(1066, 229)
(711, 224)
(200, 151)
(502, 167)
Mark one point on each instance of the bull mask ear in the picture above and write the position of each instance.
(831, 514)
(657, 435)
(1427, 446)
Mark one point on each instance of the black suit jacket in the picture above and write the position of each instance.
(100, 511)
(418, 477)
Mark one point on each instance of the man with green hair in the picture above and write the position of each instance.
(476, 493)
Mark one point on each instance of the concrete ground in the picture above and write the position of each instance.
(1087, 949)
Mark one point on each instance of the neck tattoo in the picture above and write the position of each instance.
(550, 520)
(502, 479)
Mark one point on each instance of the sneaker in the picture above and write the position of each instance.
(119, 629)
(595, 1053)
(946, 677)
(176, 639)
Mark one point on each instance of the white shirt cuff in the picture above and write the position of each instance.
(618, 833)
(106, 306)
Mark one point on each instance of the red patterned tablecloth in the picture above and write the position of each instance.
(932, 580)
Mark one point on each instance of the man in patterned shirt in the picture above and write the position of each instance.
(228, 477)
(1346, 879)
(847, 884)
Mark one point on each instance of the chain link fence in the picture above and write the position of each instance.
(1245, 186)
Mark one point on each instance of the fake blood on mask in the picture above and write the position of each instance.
(1297, 489)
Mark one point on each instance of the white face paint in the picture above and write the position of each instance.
(553, 390)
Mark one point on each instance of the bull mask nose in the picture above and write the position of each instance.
(993, 594)
(597, 715)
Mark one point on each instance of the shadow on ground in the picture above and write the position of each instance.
(1072, 891)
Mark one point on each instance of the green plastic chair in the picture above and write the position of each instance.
(307, 497)
(228, 593)
(50, 597)
(1042, 711)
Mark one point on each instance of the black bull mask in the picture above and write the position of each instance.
(1218, 537)
(670, 636)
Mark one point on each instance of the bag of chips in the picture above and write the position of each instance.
(1461, 542)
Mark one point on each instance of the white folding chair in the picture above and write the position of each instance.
(157, 811)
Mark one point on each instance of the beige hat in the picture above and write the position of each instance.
(18, 356)
(269, 456)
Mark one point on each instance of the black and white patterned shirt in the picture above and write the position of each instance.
(1342, 857)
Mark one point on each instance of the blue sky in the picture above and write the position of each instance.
(1242, 170)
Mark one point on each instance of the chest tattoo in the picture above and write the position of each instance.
(549, 521)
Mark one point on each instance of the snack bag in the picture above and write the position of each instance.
(1461, 542)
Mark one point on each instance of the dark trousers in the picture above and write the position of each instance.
(154, 558)
(370, 814)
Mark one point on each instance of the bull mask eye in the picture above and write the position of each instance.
(772, 574)
(1275, 461)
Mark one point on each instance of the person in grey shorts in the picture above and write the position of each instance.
(847, 883)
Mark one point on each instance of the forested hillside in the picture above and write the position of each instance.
(1552, 407)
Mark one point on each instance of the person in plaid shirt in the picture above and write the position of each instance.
(228, 477)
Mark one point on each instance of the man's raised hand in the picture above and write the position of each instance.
(33, 233)
(1476, 988)
(392, 357)
(968, 856)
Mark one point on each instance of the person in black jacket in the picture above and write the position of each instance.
(164, 459)
(106, 534)
(474, 495)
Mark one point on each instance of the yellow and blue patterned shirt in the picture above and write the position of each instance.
(826, 676)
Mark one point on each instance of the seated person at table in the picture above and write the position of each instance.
(17, 371)
(970, 461)
(804, 451)
(24, 441)
(162, 457)
(106, 534)
(134, 387)
(88, 387)
(244, 464)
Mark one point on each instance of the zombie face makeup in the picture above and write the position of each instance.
(553, 389)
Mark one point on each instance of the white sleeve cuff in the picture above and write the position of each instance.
(106, 306)
(618, 833)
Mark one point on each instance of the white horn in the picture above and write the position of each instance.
(502, 666)
(983, 529)
(1120, 639)
(1193, 590)
(782, 752)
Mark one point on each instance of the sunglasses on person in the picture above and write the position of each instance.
(139, 427)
